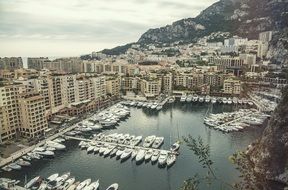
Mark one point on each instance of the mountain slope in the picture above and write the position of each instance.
(244, 18)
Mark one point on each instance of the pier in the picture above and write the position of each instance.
(116, 144)
(24, 151)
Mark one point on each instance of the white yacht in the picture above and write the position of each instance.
(58, 146)
(158, 142)
(229, 101)
(22, 162)
(183, 98)
(148, 154)
(140, 155)
(171, 159)
(134, 153)
(67, 183)
(83, 184)
(15, 166)
(32, 182)
(171, 100)
(224, 100)
(114, 186)
(120, 151)
(149, 141)
(213, 100)
(175, 147)
(108, 150)
(189, 98)
(53, 177)
(201, 99)
(195, 98)
(137, 140)
(92, 186)
(235, 100)
(126, 154)
(207, 99)
(155, 156)
(162, 158)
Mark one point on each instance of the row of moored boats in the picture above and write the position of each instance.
(47, 150)
(213, 100)
(65, 182)
(125, 146)
(235, 121)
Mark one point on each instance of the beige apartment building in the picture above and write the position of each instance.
(232, 86)
(151, 87)
(32, 114)
(113, 86)
(84, 89)
(9, 111)
(99, 87)
(11, 63)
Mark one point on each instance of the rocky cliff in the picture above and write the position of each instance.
(245, 18)
(269, 155)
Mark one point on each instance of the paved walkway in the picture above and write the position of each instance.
(21, 152)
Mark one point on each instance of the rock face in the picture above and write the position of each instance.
(245, 18)
(270, 154)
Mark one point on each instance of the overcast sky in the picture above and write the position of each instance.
(75, 27)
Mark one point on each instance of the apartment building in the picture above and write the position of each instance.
(32, 114)
(167, 83)
(66, 65)
(37, 63)
(11, 63)
(232, 86)
(9, 110)
(213, 79)
(266, 36)
(113, 86)
(99, 87)
(151, 87)
(129, 83)
(85, 89)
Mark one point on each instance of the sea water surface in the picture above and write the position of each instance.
(173, 122)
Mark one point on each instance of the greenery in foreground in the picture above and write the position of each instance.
(202, 151)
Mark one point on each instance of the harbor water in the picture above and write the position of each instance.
(173, 122)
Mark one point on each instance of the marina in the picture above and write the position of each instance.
(172, 122)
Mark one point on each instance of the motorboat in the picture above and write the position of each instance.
(120, 151)
(148, 154)
(137, 140)
(46, 153)
(189, 98)
(83, 184)
(183, 98)
(58, 146)
(32, 182)
(140, 155)
(22, 162)
(175, 147)
(59, 180)
(159, 107)
(171, 100)
(92, 186)
(28, 158)
(90, 149)
(154, 105)
(171, 159)
(53, 177)
(108, 150)
(229, 101)
(201, 99)
(114, 186)
(126, 154)
(207, 99)
(195, 98)
(158, 142)
(103, 149)
(134, 153)
(67, 183)
(213, 100)
(224, 100)
(34, 155)
(113, 152)
(155, 156)
(96, 127)
(15, 166)
(149, 141)
(235, 100)
(73, 186)
(162, 157)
